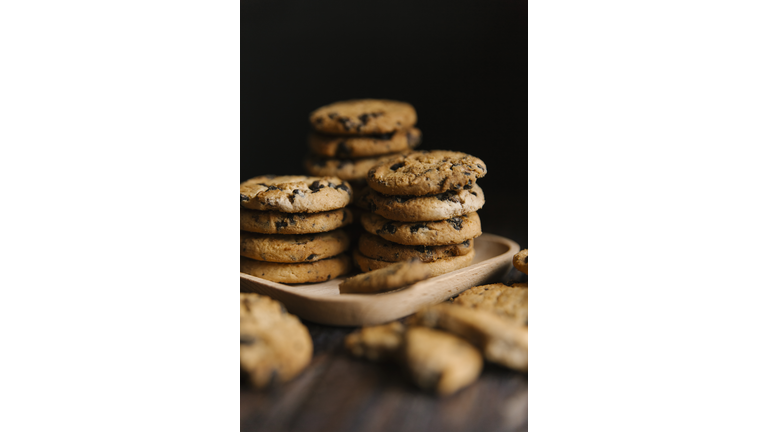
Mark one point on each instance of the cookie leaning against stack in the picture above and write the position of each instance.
(290, 228)
(353, 136)
(422, 204)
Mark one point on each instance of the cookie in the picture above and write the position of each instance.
(509, 301)
(426, 173)
(345, 169)
(293, 248)
(377, 248)
(436, 268)
(352, 147)
(520, 261)
(376, 343)
(499, 338)
(363, 117)
(440, 362)
(311, 272)
(293, 223)
(435, 233)
(388, 278)
(295, 194)
(274, 345)
(411, 208)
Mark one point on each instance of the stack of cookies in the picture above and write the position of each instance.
(289, 228)
(422, 205)
(350, 137)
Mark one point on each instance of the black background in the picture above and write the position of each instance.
(462, 65)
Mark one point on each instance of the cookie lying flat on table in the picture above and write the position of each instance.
(509, 301)
(436, 268)
(363, 117)
(310, 272)
(293, 248)
(410, 208)
(377, 248)
(295, 194)
(426, 173)
(293, 223)
(520, 261)
(436, 233)
(388, 278)
(274, 345)
(376, 343)
(440, 362)
(345, 169)
(345, 147)
(500, 339)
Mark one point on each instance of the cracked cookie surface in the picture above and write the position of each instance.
(272, 222)
(293, 248)
(295, 194)
(411, 208)
(435, 233)
(310, 272)
(363, 117)
(351, 146)
(426, 173)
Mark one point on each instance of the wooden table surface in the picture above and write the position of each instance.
(339, 393)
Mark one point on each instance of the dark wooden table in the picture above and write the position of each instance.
(339, 393)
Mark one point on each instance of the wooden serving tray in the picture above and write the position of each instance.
(322, 303)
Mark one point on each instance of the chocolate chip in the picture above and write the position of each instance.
(364, 118)
(466, 243)
(344, 188)
(332, 115)
(248, 339)
(244, 197)
(389, 227)
(331, 184)
(403, 198)
(482, 168)
(417, 227)
(329, 278)
(280, 225)
(311, 257)
(316, 186)
(345, 122)
(344, 218)
(442, 182)
(372, 207)
(421, 249)
(343, 151)
(291, 220)
(397, 166)
(298, 192)
(455, 223)
(468, 186)
(271, 188)
(473, 193)
(525, 260)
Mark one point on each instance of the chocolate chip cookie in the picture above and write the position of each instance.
(309, 272)
(499, 338)
(440, 362)
(274, 345)
(377, 248)
(363, 117)
(426, 173)
(295, 194)
(293, 248)
(436, 233)
(436, 267)
(389, 278)
(411, 208)
(509, 301)
(520, 261)
(293, 223)
(352, 147)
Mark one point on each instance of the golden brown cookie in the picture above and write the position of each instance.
(509, 301)
(352, 147)
(426, 173)
(440, 362)
(274, 345)
(310, 272)
(436, 233)
(410, 208)
(521, 261)
(377, 248)
(363, 117)
(295, 194)
(499, 338)
(293, 248)
(388, 278)
(436, 268)
(293, 223)
(345, 169)
(376, 343)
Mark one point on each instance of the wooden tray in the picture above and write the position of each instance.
(322, 303)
